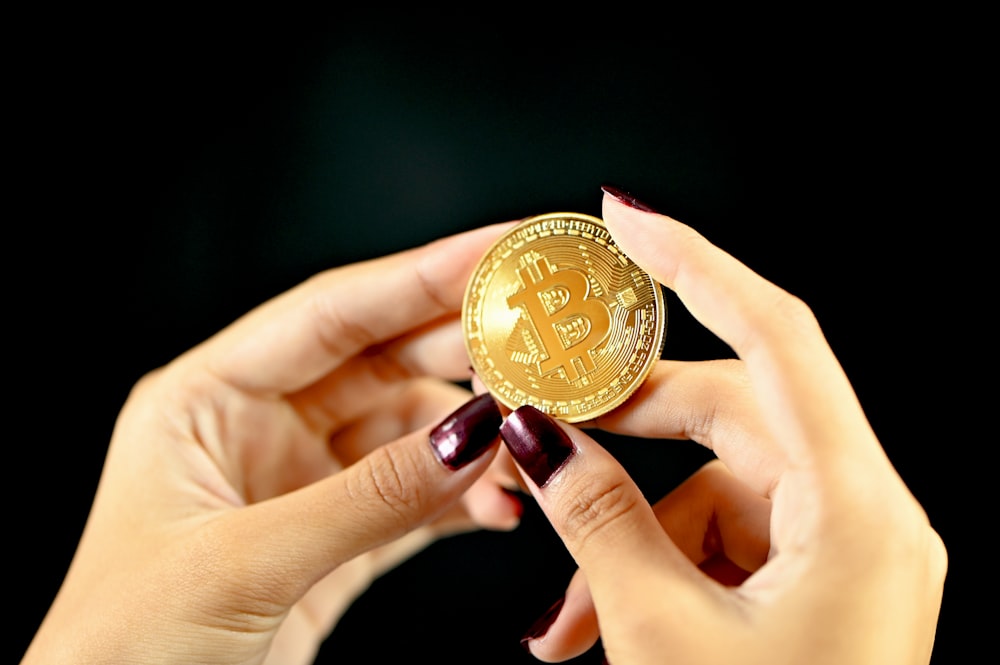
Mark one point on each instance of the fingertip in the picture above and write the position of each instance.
(567, 629)
(642, 233)
(515, 510)
(537, 631)
(625, 198)
(492, 507)
(540, 447)
(467, 433)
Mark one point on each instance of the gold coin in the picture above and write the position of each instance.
(557, 316)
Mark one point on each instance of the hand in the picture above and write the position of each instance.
(799, 544)
(257, 484)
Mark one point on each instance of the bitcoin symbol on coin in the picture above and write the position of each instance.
(556, 316)
(581, 319)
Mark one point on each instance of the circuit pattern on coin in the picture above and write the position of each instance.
(557, 316)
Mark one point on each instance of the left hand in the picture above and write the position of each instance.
(256, 485)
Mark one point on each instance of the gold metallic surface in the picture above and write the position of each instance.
(556, 316)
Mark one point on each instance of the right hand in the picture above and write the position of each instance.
(800, 544)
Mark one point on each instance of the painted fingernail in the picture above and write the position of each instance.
(622, 196)
(541, 625)
(537, 443)
(467, 433)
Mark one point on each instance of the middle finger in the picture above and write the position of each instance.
(710, 402)
(373, 377)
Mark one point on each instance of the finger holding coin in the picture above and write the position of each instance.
(558, 317)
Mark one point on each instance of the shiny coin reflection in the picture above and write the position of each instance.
(556, 316)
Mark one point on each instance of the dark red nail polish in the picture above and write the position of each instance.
(468, 432)
(537, 443)
(541, 626)
(626, 198)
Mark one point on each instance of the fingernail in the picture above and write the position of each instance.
(541, 625)
(467, 433)
(624, 197)
(537, 443)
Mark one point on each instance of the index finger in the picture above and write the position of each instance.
(301, 335)
(804, 395)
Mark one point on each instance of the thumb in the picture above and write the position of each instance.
(599, 513)
(301, 536)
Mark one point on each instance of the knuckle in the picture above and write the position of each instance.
(597, 509)
(775, 319)
(338, 333)
(785, 314)
(386, 364)
(385, 481)
(937, 555)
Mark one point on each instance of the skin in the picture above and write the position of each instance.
(258, 484)
(799, 544)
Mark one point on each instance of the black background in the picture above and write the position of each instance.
(174, 174)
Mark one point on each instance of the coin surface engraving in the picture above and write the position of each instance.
(557, 316)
